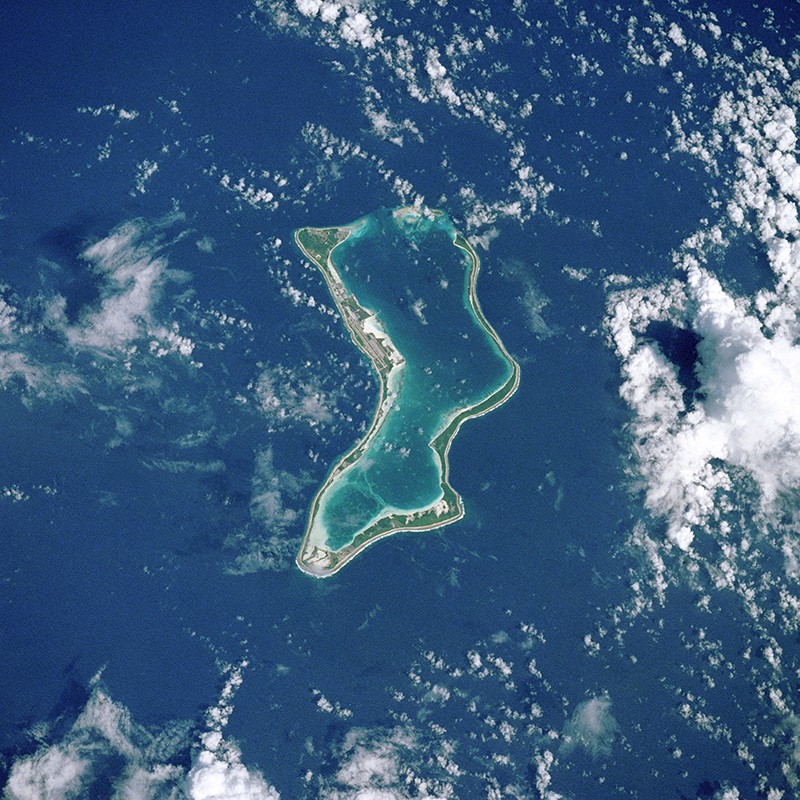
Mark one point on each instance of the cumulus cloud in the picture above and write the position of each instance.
(449, 68)
(144, 172)
(8, 319)
(217, 772)
(591, 727)
(712, 376)
(25, 372)
(336, 151)
(752, 383)
(271, 489)
(177, 466)
(377, 765)
(522, 196)
(106, 751)
(103, 745)
(206, 244)
(741, 415)
(256, 196)
(382, 123)
(744, 413)
(348, 20)
(288, 396)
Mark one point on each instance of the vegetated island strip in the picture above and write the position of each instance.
(318, 244)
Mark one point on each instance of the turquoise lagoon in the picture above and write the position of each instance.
(410, 276)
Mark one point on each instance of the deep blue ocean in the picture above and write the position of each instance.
(176, 385)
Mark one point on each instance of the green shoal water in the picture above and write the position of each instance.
(407, 271)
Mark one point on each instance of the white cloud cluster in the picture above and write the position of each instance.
(543, 762)
(121, 114)
(24, 372)
(103, 743)
(442, 65)
(744, 414)
(347, 19)
(127, 325)
(8, 320)
(105, 750)
(591, 727)
(522, 196)
(708, 449)
(144, 172)
(337, 150)
(291, 396)
(532, 299)
(217, 772)
(382, 123)
(35, 380)
(131, 276)
(375, 765)
(257, 197)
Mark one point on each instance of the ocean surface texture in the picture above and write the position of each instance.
(616, 615)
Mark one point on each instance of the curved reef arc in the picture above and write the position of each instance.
(318, 555)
